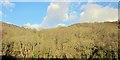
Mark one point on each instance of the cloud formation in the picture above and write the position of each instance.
(57, 12)
(97, 13)
(60, 25)
(7, 4)
(33, 26)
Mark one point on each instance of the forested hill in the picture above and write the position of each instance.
(91, 40)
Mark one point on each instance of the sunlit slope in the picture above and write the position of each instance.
(75, 41)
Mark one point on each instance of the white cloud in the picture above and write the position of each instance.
(1, 14)
(57, 12)
(33, 26)
(61, 25)
(82, 13)
(8, 22)
(97, 13)
(7, 4)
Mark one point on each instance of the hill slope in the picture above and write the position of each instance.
(81, 40)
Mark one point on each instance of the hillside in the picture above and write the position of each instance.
(81, 40)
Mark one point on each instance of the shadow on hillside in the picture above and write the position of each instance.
(4, 57)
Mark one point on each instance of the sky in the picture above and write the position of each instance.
(38, 15)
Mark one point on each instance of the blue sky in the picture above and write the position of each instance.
(50, 14)
(25, 12)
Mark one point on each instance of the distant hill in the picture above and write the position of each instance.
(80, 40)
